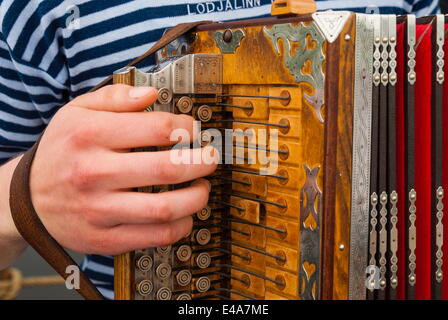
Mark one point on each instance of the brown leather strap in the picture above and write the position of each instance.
(22, 209)
(33, 231)
(171, 35)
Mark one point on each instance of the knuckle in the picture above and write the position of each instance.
(167, 236)
(164, 126)
(97, 242)
(81, 176)
(81, 136)
(162, 212)
(166, 172)
(204, 196)
(91, 215)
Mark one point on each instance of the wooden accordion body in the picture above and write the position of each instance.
(333, 184)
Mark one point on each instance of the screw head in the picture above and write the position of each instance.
(227, 36)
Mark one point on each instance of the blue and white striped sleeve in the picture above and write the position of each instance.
(425, 7)
(33, 73)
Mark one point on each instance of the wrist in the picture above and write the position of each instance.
(8, 230)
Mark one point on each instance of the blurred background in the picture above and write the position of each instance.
(32, 265)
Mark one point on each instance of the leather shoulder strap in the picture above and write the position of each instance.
(171, 35)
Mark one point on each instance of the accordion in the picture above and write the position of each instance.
(333, 168)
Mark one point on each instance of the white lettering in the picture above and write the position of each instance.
(228, 5)
(210, 7)
(200, 8)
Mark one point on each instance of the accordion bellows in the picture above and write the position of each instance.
(332, 181)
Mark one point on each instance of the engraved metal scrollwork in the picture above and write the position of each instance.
(310, 215)
(289, 33)
(411, 53)
(440, 35)
(331, 23)
(362, 124)
(412, 240)
(383, 239)
(178, 47)
(376, 53)
(373, 233)
(392, 52)
(228, 41)
(393, 239)
(384, 50)
(439, 234)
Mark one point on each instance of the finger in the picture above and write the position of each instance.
(143, 208)
(129, 237)
(139, 169)
(133, 130)
(117, 98)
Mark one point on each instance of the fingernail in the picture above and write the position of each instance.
(139, 92)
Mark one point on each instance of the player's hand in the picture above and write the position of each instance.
(84, 173)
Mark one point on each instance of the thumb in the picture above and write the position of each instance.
(117, 98)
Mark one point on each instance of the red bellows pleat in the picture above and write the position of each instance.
(423, 160)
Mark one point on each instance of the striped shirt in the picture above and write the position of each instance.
(52, 51)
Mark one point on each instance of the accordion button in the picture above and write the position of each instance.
(203, 236)
(184, 253)
(203, 284)
(163, 271)
(204, 113)
(165, 96)
(204, 214)
(144, 263)
(145, 287)
(185, 105)
(203, 260)
(164, 294)
(184, 296)
(164, 250)
(184, 278)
